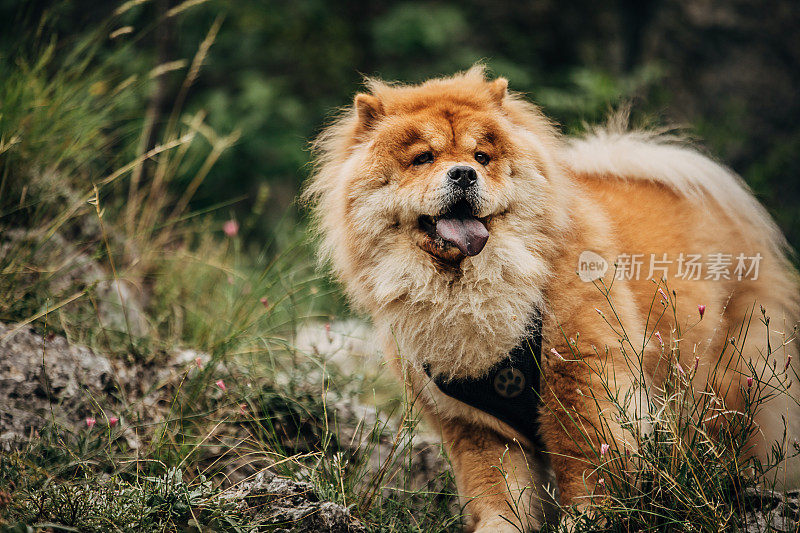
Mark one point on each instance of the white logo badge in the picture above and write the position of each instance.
(591, 266)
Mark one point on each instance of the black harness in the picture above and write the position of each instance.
(510, 390)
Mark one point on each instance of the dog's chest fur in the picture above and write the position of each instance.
(462, 327)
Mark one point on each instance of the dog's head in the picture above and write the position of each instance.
(434, 177)
(445, 163)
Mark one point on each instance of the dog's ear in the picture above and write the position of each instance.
(499, 89)
(368, 110)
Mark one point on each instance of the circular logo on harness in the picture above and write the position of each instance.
(509, 382)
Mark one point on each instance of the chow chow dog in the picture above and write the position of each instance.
(464, 223)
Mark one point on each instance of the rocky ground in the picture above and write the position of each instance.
(46, 379)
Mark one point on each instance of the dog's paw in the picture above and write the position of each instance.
(495, 525)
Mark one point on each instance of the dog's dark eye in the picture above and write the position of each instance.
(421, 159)
(482, 158)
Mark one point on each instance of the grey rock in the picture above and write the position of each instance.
(411, 460)
(45, 379)
(770, 511)
(292, 507)
(49, 379)
(120, 302)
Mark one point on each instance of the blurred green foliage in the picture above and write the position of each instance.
(278, 70)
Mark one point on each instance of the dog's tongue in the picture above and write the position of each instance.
(469, 234)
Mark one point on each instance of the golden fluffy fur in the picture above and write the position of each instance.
(544, 199)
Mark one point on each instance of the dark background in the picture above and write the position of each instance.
(726, 72)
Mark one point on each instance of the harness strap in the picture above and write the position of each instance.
(510, 390)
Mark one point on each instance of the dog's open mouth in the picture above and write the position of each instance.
(458, 228)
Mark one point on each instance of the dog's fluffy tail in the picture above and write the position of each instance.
(637, 155)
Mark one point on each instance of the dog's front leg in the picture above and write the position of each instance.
(500, 482)
(580, 423)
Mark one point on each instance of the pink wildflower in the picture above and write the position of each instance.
(749, 382)
(199, 362)
(112, 421)
(660, 340)
(664, 296)
(221, 385)
(603, 449)
(264, 301)
(231, 228)
(702, 310)
(555, 352)
(90, 422)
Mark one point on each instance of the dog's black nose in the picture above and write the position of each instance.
(462, 175)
